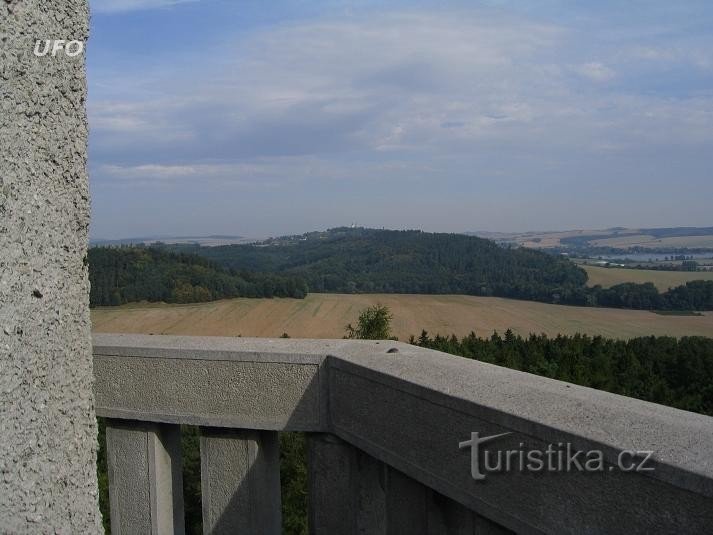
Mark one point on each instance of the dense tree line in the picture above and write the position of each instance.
(347, 260)
(126, 274)
(665, 370)
(694, 295)
(364, 261)
(686, 264)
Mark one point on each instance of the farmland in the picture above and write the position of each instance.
(622, 239)
(663, 280)
(325, 316)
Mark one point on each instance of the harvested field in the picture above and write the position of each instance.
(325, 316)
(663, 280)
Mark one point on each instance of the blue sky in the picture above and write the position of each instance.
(264, 118)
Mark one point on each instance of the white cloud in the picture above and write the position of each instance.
(387, 83)
(442, 95)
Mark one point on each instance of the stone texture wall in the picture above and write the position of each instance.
(47, 425)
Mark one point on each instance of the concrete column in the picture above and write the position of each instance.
(48, 433)
(240, 481)
(346, 488)
(448, 517)
(407, 504)
(145, 477)
(416, 509)
(484, 526)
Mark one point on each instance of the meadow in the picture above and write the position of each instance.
(326, 315)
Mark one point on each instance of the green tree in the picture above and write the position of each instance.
(374, 323)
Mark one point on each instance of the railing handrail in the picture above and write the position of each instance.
(409, 407)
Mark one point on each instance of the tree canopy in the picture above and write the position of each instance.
(374, 323)
(125, 274)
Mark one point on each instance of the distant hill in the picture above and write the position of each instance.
(360, 260)
(205, 241)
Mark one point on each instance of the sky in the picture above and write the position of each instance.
(258, 118)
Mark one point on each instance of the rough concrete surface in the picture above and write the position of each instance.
(47, 425)
(220, 393)
(147, 493)
(410, 408)
(240, 481)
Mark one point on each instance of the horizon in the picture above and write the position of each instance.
(287, 234)
(447, 116)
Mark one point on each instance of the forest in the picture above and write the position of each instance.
(694, 295)
(365, 261)
(359, 260)
(121, 275)
(664, 370)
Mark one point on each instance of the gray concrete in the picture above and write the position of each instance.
(352, 493)
(216, 381)
(346, 488)
(145, 477)
(543, 407)
(224, 393)
(298, 350)
(410, 409)
(446, 517)
(47, 425)
(406, 505)
(240, 482)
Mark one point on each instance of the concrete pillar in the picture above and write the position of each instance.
(407, 504)
(352, 493)
(415, 509)
(145, 477)
(240, 482)
(48, 433)
(448, 517)
(346, 488)
(484, 526)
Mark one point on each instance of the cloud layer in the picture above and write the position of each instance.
(425, 105)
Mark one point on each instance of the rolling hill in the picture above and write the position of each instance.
(360, 260)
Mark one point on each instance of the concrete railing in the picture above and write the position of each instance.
(386, 424)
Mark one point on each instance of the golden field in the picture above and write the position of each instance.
(326, 315)
(663, 280)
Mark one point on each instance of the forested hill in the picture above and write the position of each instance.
(369, 261)
(361, 260)
(126, 274)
